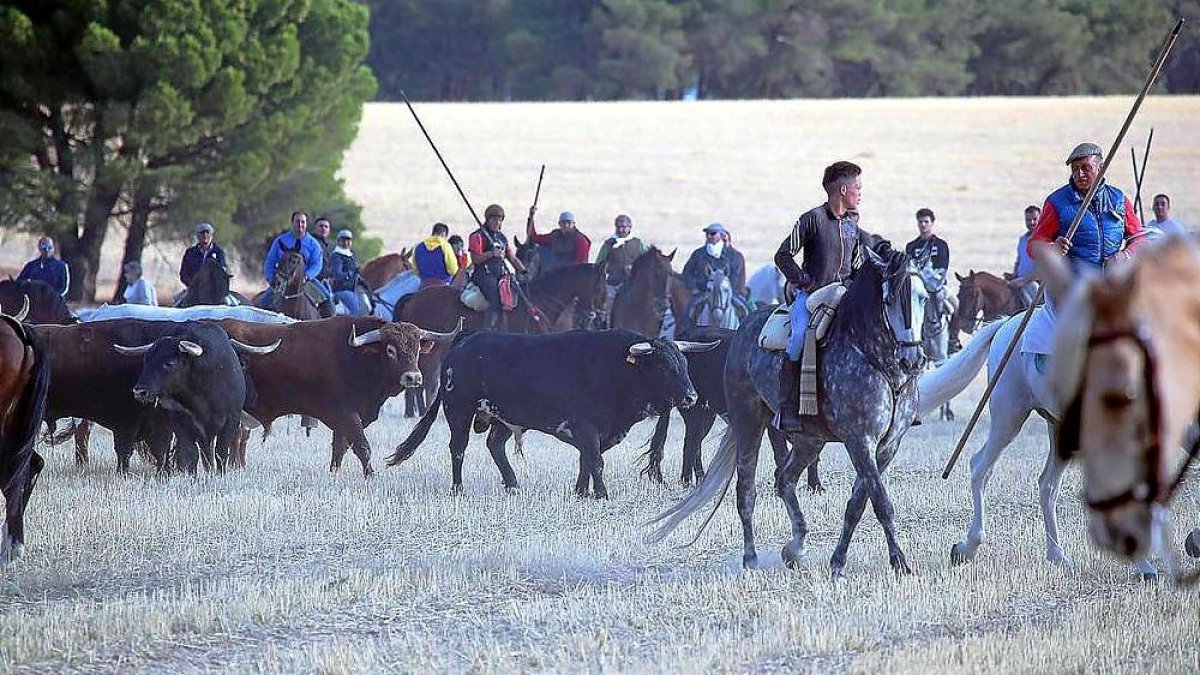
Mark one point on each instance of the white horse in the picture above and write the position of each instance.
(389, 294)
(1023, 388)
(715, 306)
(935, 333)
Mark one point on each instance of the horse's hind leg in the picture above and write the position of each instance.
(787, 475)
(885, 511)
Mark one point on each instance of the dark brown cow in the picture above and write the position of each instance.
(338, 370)
(24, 381)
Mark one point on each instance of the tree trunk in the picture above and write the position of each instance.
(85, 261)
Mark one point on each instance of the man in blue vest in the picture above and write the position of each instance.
(46, 268)
(314, 258)
(1108, 232)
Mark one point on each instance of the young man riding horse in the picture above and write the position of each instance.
(831, 241)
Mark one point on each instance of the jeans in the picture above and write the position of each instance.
(799, 315)
(349, 300)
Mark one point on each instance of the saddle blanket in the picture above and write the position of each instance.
(1039, 334)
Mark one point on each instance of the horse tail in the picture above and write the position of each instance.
(716, 484)
(943, 383)
(409, 447)
(32, 411)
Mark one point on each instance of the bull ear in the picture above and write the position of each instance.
(189, 347)
(1053, 269)
(688, 346)
(671, 256)
(132, 351)
(959, 277)
(640, 349)
(517, 241)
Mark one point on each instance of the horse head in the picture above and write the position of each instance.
(901, 302)
(530, 256)
(970, 302)
(289, 276)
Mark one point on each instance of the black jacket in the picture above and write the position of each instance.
(832, 248)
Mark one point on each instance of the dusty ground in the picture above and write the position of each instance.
(284, 568)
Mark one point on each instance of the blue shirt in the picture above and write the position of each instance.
(51, 271)
(310, 249)
(1024, 266)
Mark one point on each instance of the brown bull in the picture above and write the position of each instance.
(338, 370)
(24, 381)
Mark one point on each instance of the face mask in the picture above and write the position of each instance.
(715, 248)
(342, 250)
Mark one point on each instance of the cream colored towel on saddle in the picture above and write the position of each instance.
(821, 305)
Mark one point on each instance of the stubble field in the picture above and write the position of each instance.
(285, 568)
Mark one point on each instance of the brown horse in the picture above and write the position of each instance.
(652, 287)
(379, 271)
(1127, 363)
(556, 297)
(41, 302)
(24, 383)
(982, 297)
(287, 288)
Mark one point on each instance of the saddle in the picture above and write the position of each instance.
(821, 303)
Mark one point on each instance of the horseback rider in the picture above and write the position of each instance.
(194, 257)
(489, 248)
(1110, 230)
(568, 246)
(716, 255)
(929, 246)
(344, 275)
(617, 254)
(47, 269)
(434, 259)
(832, 243)
(1023, 283)
(310, 250)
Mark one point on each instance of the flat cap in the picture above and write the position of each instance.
(493, 210)
(345, 234)
(566, 217)
(1084, 150)
(715, 227)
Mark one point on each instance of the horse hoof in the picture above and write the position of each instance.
(900, 565)
(957, 556)
(1059, 560)
(368, 471)
(837, 571)
(1148, 577)
(456, 490)
(790, 560)
(1192, 543)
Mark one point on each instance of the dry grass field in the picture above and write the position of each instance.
(285, 568)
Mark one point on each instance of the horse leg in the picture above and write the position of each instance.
(787, 475)
(698, 421)
(654, 456)
(16, 500)
(779, 447)
(854, 510)
(496, 439)
(749, 431)
(82, 434)
(1049, 484)
(1004, 427)
(885, 511)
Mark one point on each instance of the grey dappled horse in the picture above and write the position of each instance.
(868, 372)
(715, 306)
(935, 333)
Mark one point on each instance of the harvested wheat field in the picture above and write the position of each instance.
(282, 567)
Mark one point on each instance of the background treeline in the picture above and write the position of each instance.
(484, 50)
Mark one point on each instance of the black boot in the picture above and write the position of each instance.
(788, 419)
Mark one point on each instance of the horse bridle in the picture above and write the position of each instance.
(1149, 490)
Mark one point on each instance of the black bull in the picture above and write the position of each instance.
(584, 388)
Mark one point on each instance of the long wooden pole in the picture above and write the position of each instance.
(1163, 53)
(1141, 175)
(442, 160)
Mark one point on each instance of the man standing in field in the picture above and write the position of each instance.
(831, 241)
(568, 246)
(618, 252)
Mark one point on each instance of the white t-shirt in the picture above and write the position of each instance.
(141, 292)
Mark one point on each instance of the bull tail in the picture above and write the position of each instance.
(32, 412)
(716, 484)
(409, 447)
(943, 383)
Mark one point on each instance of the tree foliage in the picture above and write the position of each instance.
(621, 49)
(157, 115)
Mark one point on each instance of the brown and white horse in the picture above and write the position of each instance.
(24, 384)
(1127, 365)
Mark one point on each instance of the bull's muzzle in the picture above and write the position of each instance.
(145, 397)
(412, 379)
(689, 400)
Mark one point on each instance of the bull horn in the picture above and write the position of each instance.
(365, 339)
(441, 337)
(689, 346)
(641, 349)
(189, 347)
(251, 349)
(20, 316)
(132, 351)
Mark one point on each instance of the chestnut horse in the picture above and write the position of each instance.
(378, 271)
(1128, 372)
(24, 384)
(982, 297)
